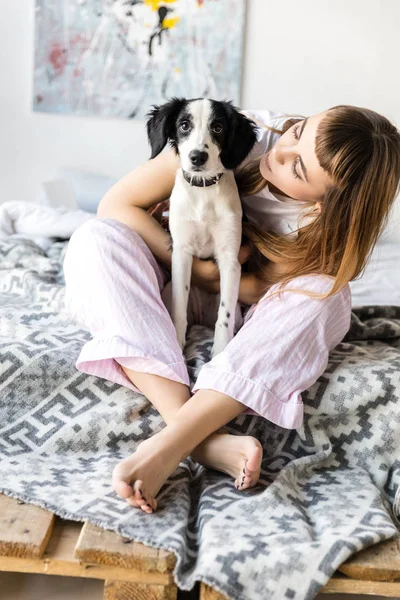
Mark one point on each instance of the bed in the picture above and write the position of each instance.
(380, 284)
(327, 490)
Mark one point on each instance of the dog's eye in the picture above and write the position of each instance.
(217, 128)
(184, 126)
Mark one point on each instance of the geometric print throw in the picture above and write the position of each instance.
(327, 490)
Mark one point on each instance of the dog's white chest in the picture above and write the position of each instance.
(199, 214)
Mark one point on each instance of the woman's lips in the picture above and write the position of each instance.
(267, 162)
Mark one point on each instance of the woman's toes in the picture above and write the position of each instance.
(138, 499)
(133, 502)
(123, 489)
(150, 505)
(251, 470)
(120, 482)
(140, 492)
(253, 462)
(244, 482)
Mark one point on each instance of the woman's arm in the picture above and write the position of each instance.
(145, 186)
(251, 288)
(130, 198)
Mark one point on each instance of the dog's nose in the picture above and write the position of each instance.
(198, 157)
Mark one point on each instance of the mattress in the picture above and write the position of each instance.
(380, 283)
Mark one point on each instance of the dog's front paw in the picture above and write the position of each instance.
(181, 335)
(181, 341)
(221, 340)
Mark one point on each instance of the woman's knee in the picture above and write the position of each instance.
(99, 232)
(101, 250)
(100, 242)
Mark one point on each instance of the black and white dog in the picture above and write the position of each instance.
(205, 215)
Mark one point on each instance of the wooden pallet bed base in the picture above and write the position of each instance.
(372, 571)
(33, 540)
(336, 585)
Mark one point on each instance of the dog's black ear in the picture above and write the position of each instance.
(161, 124)
(240, 138)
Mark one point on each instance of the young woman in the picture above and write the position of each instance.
(316, 194)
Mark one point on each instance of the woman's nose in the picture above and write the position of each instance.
(282, 153)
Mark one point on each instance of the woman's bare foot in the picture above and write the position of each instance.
(239, 456)
(139, 477)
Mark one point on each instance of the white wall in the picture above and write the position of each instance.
(299, 57)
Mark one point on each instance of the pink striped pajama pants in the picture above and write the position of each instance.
(117, 290)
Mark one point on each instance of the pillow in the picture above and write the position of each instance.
(392, 231)
(380, 282)
(75, 189)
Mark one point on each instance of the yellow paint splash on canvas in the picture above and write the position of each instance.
(171, 22)
(155, 4)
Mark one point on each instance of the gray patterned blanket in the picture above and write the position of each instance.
(326, 490)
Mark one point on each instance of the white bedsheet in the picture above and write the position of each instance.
(380, 283)
(40, 223)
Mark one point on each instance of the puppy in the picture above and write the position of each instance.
(205, 216)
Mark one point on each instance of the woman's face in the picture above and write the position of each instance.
(291, 166)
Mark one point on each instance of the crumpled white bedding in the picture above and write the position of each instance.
(40, 223)
(379, 285)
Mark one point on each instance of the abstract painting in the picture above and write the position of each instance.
(116, 58)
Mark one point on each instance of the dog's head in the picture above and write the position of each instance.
(210, 136)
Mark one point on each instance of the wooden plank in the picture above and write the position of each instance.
(208, 593)
(59, 559)
(117, 590)
(96, 545)
(340, 584)
(24, 529)
(380, 562)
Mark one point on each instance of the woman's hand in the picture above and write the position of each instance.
(205, 273)
(251, 288)
(157, 210)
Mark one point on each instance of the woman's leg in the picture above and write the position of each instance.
(280, 351)
(238, 456)
(113, 285)
(155, 459)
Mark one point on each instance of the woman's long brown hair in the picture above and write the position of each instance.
(360, 150)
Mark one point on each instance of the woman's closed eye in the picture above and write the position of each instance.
(297, 136)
